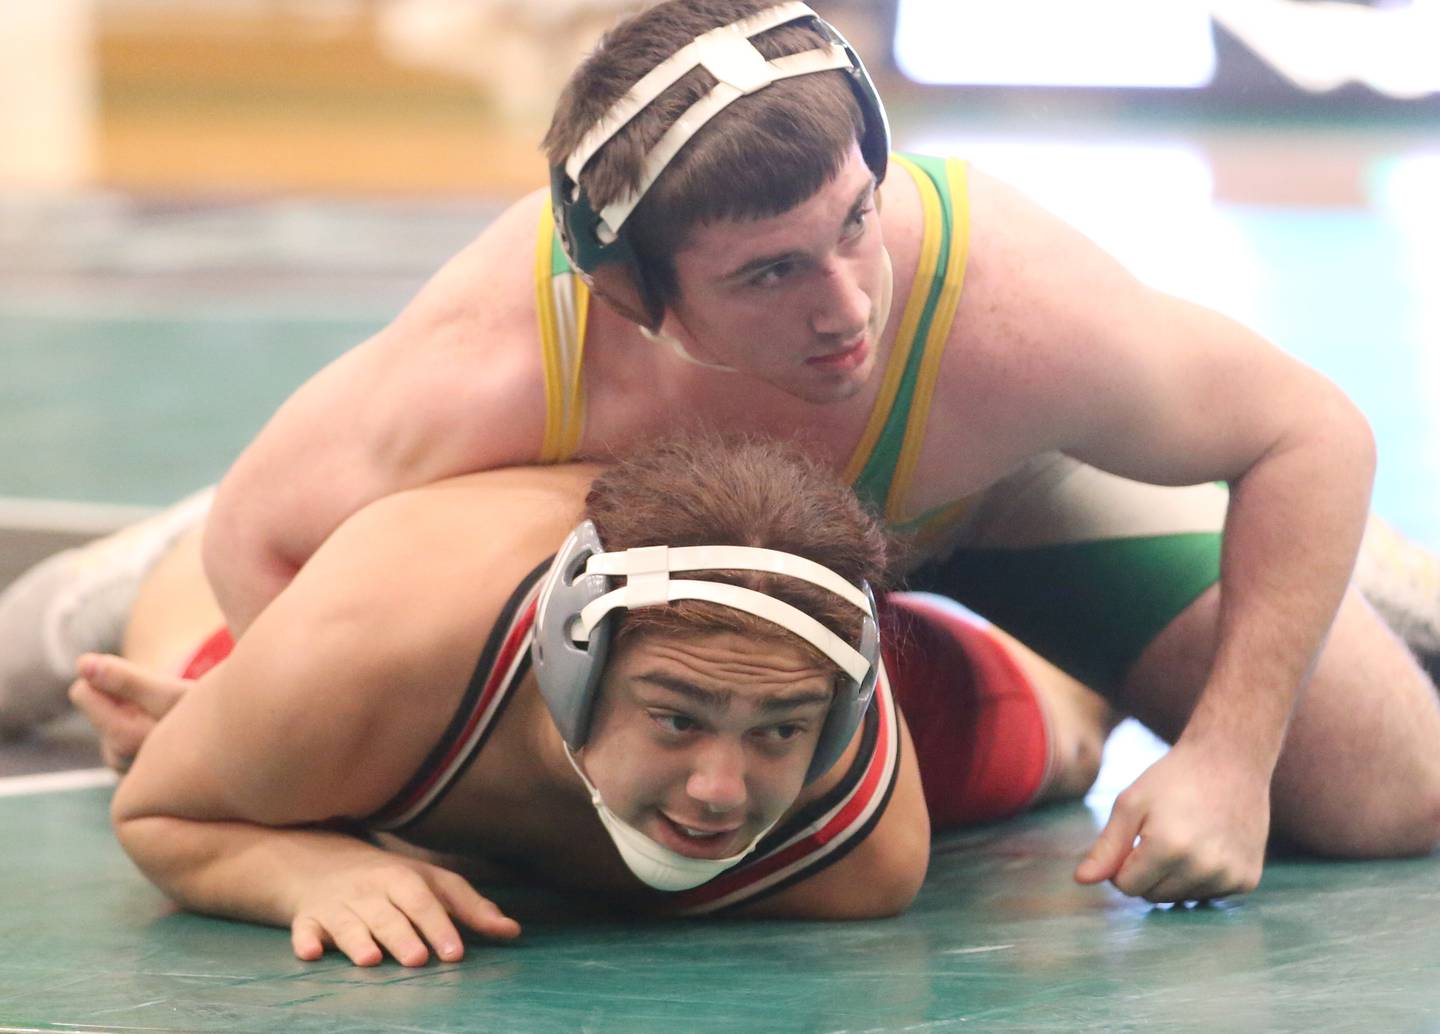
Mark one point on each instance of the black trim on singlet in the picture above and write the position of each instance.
(458, 722)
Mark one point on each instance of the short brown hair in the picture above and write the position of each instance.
(763, 155)
(705, 490)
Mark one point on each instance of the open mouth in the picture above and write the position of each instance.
(846, 359)
(696, 842)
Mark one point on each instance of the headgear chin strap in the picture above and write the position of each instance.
(573, 626)
(653, 863)
(593, 240)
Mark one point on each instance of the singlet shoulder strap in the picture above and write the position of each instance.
(884, 460)
(502, 665)
(562, 303)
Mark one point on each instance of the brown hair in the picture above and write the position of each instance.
(763, 155)
(702, 490)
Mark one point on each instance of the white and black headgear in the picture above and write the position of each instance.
(592, 239)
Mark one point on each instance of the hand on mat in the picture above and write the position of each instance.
(394, 906)
(123, 701)
(1201, 823)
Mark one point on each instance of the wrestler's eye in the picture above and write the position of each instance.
(772, 274)
(677, 724)
(855, 225)
(784, 732)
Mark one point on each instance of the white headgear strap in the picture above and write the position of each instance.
(648, 583)
(728, 55)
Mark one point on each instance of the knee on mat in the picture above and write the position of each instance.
(1424, 836)
(1393, 831)
(1079, 722)
(1076, 765)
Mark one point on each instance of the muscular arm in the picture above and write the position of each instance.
(323, 710)
(453, 385)
(1220, 403)
(1157, 389)
(1300, 465)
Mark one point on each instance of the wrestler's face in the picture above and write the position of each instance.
(702, 742)
(799, 300)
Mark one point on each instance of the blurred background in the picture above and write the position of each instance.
(203, 201)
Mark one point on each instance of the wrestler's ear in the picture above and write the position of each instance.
(618, 287)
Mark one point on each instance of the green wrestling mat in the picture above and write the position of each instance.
(145, 344)
(999, 940)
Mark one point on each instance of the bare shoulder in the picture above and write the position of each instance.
(459, 373)
(1044, 314)
(490, 280)
(1028, 268)
(441, 536)
(454, 383)
(495, 509)
(417, 574)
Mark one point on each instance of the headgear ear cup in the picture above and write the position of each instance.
(852, 700)
(633, 297)
(569, 668)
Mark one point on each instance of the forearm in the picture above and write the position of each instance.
(1291, 535)
(237, 870)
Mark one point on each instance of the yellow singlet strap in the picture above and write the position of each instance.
(562, 304)
(909, 321)
(952, 280)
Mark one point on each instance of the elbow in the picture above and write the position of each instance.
(242, 561)
(138, 823)
(1364, 438)
(894, 864)
(896, 891)
(223, 527)
(888, 899)
(1345, 435)
(892, 880)
(133, 833)
(126, 819)
(153, 844)
(1350, 448)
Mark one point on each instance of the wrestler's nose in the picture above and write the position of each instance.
(842, 306)
(717, 776)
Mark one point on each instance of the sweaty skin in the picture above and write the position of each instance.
(1054, 347)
